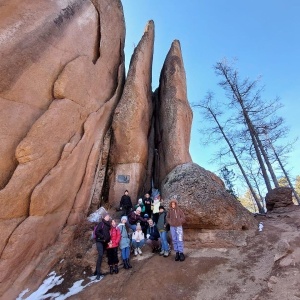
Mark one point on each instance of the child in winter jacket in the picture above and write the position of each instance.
(176, 218)
(112, 248)
(124, 243)
(138, 240)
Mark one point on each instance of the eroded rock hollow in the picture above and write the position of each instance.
(75, 134)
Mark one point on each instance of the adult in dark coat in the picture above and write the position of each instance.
(135, 217)
(153, 236)
(125, 203)
(102, 240)
(148, 202)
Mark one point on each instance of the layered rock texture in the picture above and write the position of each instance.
(131, 123)
(279, 198)
(61, 80)
(74, 134)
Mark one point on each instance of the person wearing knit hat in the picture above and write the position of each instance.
(134, 217)
(138, 240)
(162, 227)
(125, 243)
(105, 215)
(141, 205)
(124, 218)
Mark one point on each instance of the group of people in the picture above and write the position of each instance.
(148, 224)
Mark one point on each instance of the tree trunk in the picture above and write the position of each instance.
(286, 175)
(260, 208)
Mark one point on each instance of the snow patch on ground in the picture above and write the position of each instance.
(54, 280)
(260, 226)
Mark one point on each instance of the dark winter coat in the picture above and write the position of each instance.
(154, 234)
(175, 216)
(126, 202)
(133, 218)
(148, 202)
(161, 223)
(103, 232)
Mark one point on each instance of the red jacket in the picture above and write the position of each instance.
(115, 237)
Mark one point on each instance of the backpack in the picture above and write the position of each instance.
(94, 231)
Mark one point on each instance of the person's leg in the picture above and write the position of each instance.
(174, 237)
(132, 227)
(127, 257)
(110, 258)
(141, 243)
(135, 246)
(180, 245)
(115, 259)
(100, 250)
(175, 241)
(124, 253)
(115, 255)
(127, 252)
(164, 242)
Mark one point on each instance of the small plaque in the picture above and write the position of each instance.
(123, 178)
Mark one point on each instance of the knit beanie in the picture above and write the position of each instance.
(124, 218)
(105, 215)
(161, 207)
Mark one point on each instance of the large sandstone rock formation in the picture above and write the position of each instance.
(173, 115)
(131, 124)
(61, 83)
(278, 198)
(75, 135)
(204, 200)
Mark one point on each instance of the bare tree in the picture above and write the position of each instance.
(212, 114)
(246, 97)
(282, 166)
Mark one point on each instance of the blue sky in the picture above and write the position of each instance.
(262, 35)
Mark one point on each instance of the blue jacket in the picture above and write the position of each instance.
(125, 241)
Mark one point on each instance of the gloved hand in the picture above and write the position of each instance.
(148, 235)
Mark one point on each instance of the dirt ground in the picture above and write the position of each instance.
(267, 268)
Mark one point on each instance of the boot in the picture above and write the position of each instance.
(128, 263)
(177, 256)
(125, 264)
(181, 257)
(99, 275)
(116, 269)
(111, 270)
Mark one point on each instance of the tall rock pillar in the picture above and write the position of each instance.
(131, 124)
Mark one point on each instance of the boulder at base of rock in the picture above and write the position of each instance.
(205, 202)
(279, 197)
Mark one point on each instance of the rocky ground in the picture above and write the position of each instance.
(267, 268)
